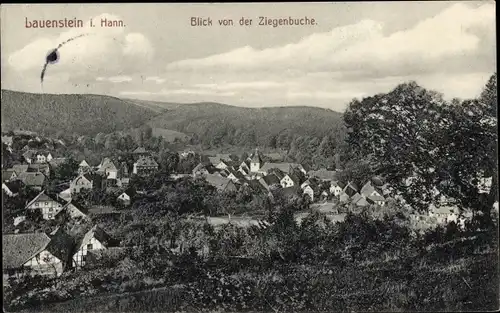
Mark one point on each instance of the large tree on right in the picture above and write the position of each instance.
(426, 147)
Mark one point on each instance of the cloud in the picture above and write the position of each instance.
(362, 49)
(155, 79)
(259, 85)
(115, 79)
(185, 91)
(103, 50)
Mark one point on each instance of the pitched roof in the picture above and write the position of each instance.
(356, 197)
(65, 194)
(376, 198)
(20, 168)
(294, 178)
(352, 185)
(236, 173)
(271, 179)
(42, 196)
(32, 178)
(209, 167)
(7, 174)
(106, 164)
(130, 192)
(256, 157)
(83, 164)
(146, 161)
(14, 186)
(323, 174)
(7, 140)
(19, 248)
(217, 181)
(74, 206)
(256, 186)
(97, 233)
(368, 188)
(139, 150)
(29, 154)
(37, 167)
(284, 167)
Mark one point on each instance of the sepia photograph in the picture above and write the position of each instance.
(250, 157)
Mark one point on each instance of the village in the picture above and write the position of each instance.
(54, 252)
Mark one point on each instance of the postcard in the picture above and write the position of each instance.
(250, 157)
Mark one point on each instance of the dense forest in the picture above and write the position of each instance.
(76, 114)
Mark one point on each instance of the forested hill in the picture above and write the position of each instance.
(215, 123)
(83, 114)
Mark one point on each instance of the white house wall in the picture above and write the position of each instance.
(78, 257)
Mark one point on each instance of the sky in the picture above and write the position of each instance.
(354, 50)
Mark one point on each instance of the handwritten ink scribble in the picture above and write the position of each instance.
(53, 56)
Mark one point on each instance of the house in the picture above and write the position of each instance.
(19, 219)
(12, 188)
(20, 168)
(336, 188)
(204, 169)
(42, 157)
(323, 174)
(370, 190)
(234, 175)
(35, 253)
(85, 181)
(224, 164)
(186, 153)
(222, 184)
(358, 200)
(8, 175)
(221, 161)
(376, 199)
(30, 156)
(35, 180)
(126, 197)
(65, 195)
(94, 239)
(444, 214)
(39, 167)
(284, 167)
(145, 166)
(289, 180)
(140, 152)
(270, 181)
(74, 211)
(244, 167)
(8, 140)
(343, 197)
(310, 188)
(84, 167)
(108, 169)
(255, 161)
(47, 205)
(351, 189)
